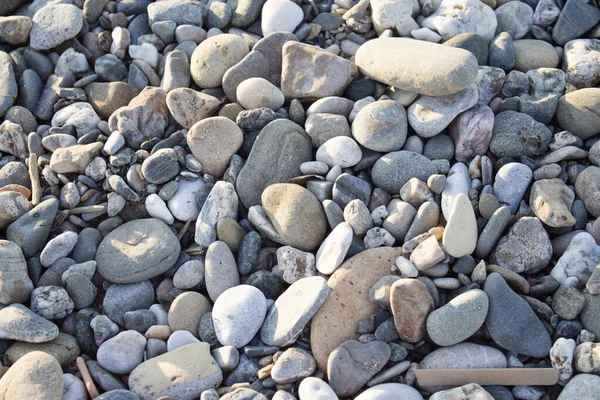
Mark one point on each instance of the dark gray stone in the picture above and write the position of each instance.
(502, 53)
(511, 322)
(348, 187)
(471, 42)
(31, 230)
(120, 299)
(576, 18)
(517, 134)
(276, 156)
(393, 170)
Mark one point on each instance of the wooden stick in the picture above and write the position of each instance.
(87, 209)
(87, 379)
(487, 376)
(34, 177)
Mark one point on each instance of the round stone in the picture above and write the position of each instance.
(185, 312)
(238, 314)
(213, 141)
(459, 319)
(183, 205)
(296, 215)
(280, 16)
(340, 150)
(54, 24)
(136, 251)
(259, 92)
(381, 126)
(122, 353)
(36, 375)
(214, 56)
(577, 112)
(120, 299)
(393, 170)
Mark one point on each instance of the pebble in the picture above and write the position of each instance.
(182, 205)
(238, 315)
(155, 246)
(394, 169)
(313, 388)
(551, 202)
(214, 56)
(410, 303)
(186, 311)
(516, 19)
(55, 24)
(510, 184)
(579, 259)
(533, 54)
(340, 150)
(429, 115)
(222, 202)
(525, 249)
(20, 323)
(258, 92)
(365, 360)
(331, 326)
(323, 74)
(278, 140)
(390, 391)
(459, 319)
(122, 298)
(57, 248)
(15, 283)
(460, 234)
(295, 264)
(561, 356)
(35, 375)
(449, 22)
(280, 16)
(458, 64)
(296, 215)
(511, 322)
(511, 127)
(381, 126)
(212, 133)
(183, 373)
(221, 272)
(293, 310)
(575, 112)
(122, 353)
(293, 365)
(581, 386)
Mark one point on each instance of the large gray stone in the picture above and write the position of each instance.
(136, 251)
(511, 322)
(276, 156)
(30, 232)
(394, 169)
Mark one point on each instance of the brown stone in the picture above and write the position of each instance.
(189, 106)
(410, 302)
(348, 301)
(107, 97)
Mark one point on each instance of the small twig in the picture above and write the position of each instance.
(87, 379)
(184, 229)
(87, 209)
(34, 176)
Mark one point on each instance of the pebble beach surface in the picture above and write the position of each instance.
(298, 199)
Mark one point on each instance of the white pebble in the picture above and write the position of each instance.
(157, 208)
(179, 339)
(340, 150)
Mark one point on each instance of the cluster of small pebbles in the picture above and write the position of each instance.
(298, 199)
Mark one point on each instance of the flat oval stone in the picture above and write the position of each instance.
(460, 318)
(213, 141)
(394, 169)
(381, 126)
(55, 24)
(122, 353)
(238, 314)
(214, 56)
(221, 272)
(136, 251)
(417, 66)
(18, 322)
(183, 373)
(577, 112)
(35, 376)
(390, 391)
(296, 215)
(582, 386)
(336, 320)
(511, 322)
(183, 204)
(293, 310)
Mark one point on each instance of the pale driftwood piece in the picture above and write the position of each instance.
(487, 376)
(87, 209)
(87, 379)
(34, 177)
